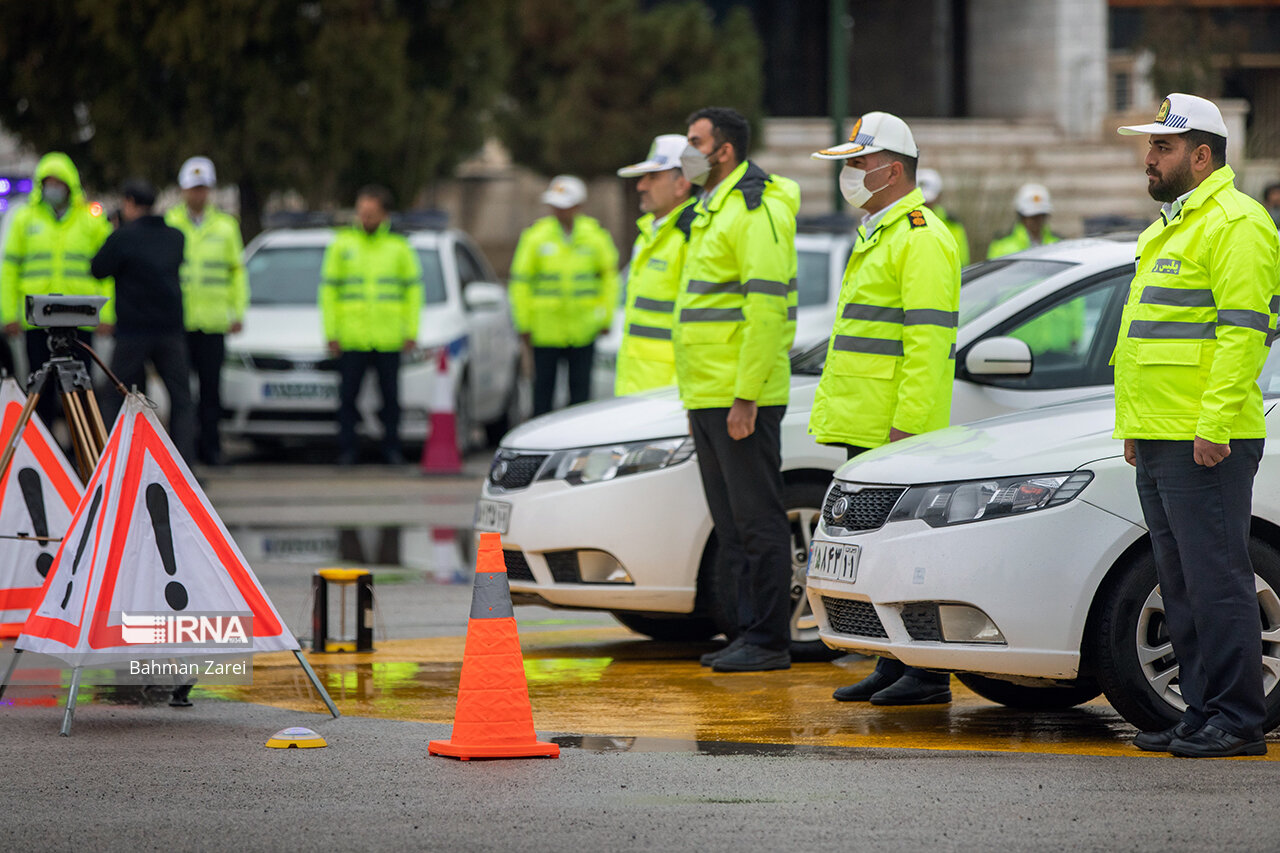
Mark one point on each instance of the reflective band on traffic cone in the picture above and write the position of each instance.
(493, 718)
(440, 454)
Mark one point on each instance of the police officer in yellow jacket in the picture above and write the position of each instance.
(564, 289)
(370, 304)
(1033, 206)
(215, 293)
(646, 358)
(47, 249)
(735, 322)
(1193, 338)
(930, 183)
(891, 359)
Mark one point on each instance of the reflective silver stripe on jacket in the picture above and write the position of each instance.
(585, 276)
(1275, 304)
(791, 312)
(1179, 297)
(874, 313)
(1172, 329)
(1245, 318)
(711, 315)
(586, 293)
(638, 331)
(952, 354)
(874, 346)
(932, 317)
(706, 287)
(763, 285)
(647, 304)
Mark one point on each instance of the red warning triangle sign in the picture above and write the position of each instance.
(145, 556)
(38, 496)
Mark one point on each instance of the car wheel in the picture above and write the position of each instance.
(513, 414)
(680, 629)
(1048, 698)
(803, 503)
(1133, 656)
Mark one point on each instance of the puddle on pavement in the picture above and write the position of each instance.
(441, 554)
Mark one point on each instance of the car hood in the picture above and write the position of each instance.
(640, 417)
(1046, 440)
(297, 330)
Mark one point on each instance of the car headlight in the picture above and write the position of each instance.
(596, 464)
(978, 500)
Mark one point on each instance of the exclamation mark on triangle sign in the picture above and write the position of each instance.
(158, 506)
(84, 540)
(33, 494)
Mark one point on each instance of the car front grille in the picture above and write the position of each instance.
(858, 618)
(512, 470)
(517, 566)
(276, 364)
(564, 566)
(861, 509)
(921, 621)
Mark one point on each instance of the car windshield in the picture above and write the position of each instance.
(290, 275)
(983, 286)
(813, 277)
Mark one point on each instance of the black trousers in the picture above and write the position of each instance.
(743, 484)
(889, 666)
(37, 340)
(207, 351)
(352, 367)
(546, 364)
(1199, 521)
(167, 353)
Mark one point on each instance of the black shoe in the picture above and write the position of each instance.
(749, 658)
(1159, 741)
(392, 457)
(179, 698)
(711, 657)
(1213, 742)
(866, 688)
(909, 690)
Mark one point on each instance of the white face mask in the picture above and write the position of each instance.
(695, 166)
(55, 195)
(853, 184)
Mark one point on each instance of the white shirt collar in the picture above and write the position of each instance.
(871, 221)
(1170, 209)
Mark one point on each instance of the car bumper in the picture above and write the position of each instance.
(659, 550)
(1033, 576)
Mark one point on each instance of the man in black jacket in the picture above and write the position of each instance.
(144, 257)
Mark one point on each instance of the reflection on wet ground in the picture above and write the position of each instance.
(616, 691)
(444, 554)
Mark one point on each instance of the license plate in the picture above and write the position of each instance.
(299, 391)
(834, 560)
(493, 516)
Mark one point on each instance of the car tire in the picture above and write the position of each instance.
(1129, 643)
(1048, 698)
(802, 500)
(678, 629)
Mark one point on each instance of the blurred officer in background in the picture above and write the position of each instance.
(1033, 206)
(215, 292)
(144, 256)
(891, 361)
(370, 304)
(48, 247)
(646, 358)
(1193, 338)
(735, 323)
(930, 184)
(564, 289)
(1271, 201)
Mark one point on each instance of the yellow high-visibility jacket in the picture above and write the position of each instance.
(891, 359)
(370, 290)
(1200, 318)
(957, 232)
(215, 290)
(1017, 240)
(646, 358)
(45, 254)
(736, 311)
(564, 287)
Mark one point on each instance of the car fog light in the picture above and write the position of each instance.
(600, 567)
(964, 624)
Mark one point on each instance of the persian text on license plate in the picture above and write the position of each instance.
(834, 560)
(493, 516)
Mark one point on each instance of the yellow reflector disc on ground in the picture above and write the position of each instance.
(296, 736)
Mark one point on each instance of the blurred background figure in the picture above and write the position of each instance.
(144, 257)
(370, 305)
(1033, 206)
(646, 358)
(215, 293)
(1271, 201)
(930, 184)
(564, 288)
(49, 244)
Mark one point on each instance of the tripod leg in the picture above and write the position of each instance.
(85, 458)
(8, 673)
(315, 682)
(70, 712)
(19, 428)
(96, 424)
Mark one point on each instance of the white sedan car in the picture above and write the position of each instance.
(279, 381)
(1013, 552)
(601, 507)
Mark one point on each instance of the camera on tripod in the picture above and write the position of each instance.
(55, 311)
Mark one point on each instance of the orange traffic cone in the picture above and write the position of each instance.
(440, 455)
(493, 718)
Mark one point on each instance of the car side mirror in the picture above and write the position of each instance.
(998, 357)
(484, 296)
